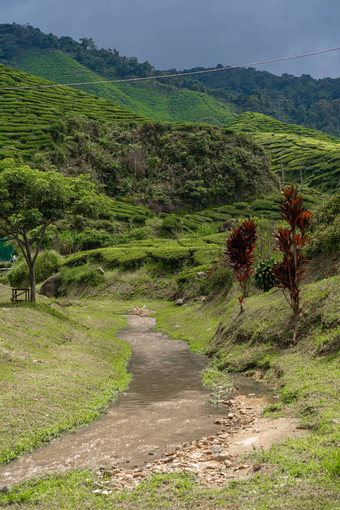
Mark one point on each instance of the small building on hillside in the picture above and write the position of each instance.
(6, 250)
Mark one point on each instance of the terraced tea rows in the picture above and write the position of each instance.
(153, 100)
(261, 208)
(27, 115)
(293, 148)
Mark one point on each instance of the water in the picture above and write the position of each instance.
(165, 405)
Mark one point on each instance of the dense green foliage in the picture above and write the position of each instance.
(47, 264)
(294, 149)
(165, 167)
(263, 276)
(324, 231)
(32, 200)
(300, 100)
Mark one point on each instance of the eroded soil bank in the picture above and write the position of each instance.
(165, 406)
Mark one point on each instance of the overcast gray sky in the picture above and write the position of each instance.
(183, 34)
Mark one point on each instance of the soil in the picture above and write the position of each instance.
(164, 417)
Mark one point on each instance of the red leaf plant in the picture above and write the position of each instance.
(239, 251)
(290, 242)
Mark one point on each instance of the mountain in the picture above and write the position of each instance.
(29, 50)
(293, 148)
(214, 97)
(167, 166)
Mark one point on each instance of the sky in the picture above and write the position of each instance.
(183, 34)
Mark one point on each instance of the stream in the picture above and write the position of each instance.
(165, 405)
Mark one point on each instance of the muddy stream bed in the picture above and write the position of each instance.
(164, 407)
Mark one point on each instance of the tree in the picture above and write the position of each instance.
(31, 200)
(290, 242)
(239, 252)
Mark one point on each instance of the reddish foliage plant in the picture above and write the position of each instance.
(239, 251)
(290, 241)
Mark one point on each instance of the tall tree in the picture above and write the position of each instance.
(31, 200)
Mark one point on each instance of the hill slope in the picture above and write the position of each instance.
(165, 166)
(154, 100)
(295, 146)
(300, 100)
(27, 115)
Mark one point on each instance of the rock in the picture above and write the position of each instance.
(227, 225)
(100, 270)
(228, 463)
(201, 274)
(180, 302)
(222, 457)
(51, 286)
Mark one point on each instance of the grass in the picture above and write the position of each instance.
(301, 473)
(59, 370)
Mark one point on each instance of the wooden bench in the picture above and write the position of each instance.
(16, 293)
(3, 270)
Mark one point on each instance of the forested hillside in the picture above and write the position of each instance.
(212, 98)
(165, 166)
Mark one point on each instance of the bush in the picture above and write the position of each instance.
(263, 276)
(18, 276)
(84, 275)
(171, 226)
(92, 238)
(46, 265)
(220, 278)
(324, 231)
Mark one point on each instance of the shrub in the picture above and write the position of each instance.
(220, 278)
(239, 251)
(170, 227)
(84, 275)
(46, 265)
(18, 276)
(92, 238)
(290, 242)
(263, 275)
(324, 231)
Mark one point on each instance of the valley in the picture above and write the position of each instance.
(139, 319)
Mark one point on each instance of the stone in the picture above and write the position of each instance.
(180, 302)
(227, 225)
(50, 287)
(222, 457)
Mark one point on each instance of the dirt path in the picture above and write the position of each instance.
(164, 406)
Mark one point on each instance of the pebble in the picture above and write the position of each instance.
(208, 457)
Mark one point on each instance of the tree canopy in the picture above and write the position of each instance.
(32, 199)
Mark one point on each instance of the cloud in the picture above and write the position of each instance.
(177, 34)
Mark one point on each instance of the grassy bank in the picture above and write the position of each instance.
(300, 473)
(59, 369)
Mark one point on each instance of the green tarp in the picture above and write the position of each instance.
(6, 250)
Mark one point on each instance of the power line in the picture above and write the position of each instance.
(175, 75)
